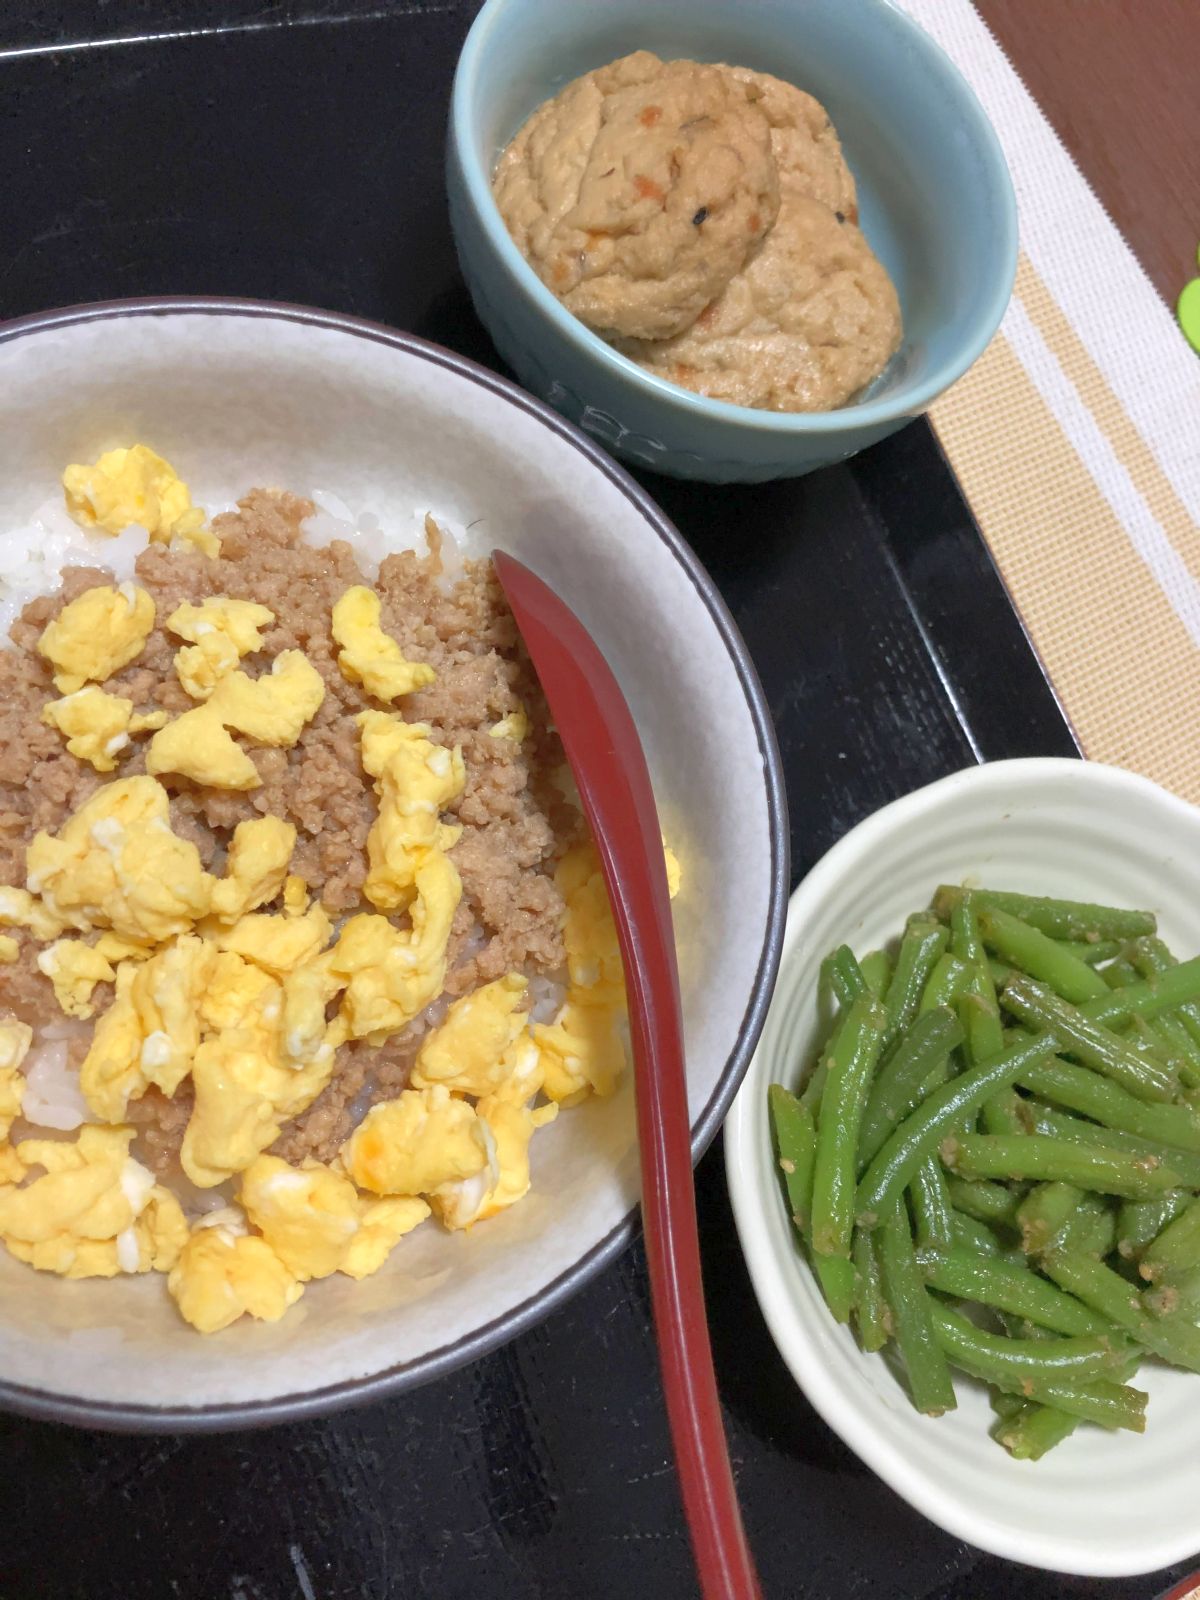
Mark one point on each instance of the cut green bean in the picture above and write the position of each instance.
(1011, 1288)
(1080, 1089)
(1173, 1338)
(912, 1325)
(1040, 957)
(814, 1088)
(986, 1202)
(923, 943)
(1031, 1430)
(916, 1065)
(851, 1063)
(1038, 1157)
(1139, 1222)
(946, 1108)
(1171, 990)
(999, 974)
(977, 1008)
(1076, 1358)
(872, 1313)
(971, 1234)
(839, 1284)
(1028, 1432)
(1003, 1113)
(1044, 1212)
(944, 984)
(1061, 919)
(1094, 951)
(1092, 1230)
(1164, 1039)
(1004, 1404)
(1045, 1119)
(795, 1146)
(1152, 959)
(826, 999)
(1090, 1042)
(876, 968)
(933, 1218)
(1174, 1043)
(1176, 1250)
(846, 977)
(1181, 1297)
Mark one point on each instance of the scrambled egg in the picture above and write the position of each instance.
(392, 975)
(244, 1095)
(413, 1144)
(415, 780)
(221, 632)
(514, 726)
(136, 486)
(98, 725)
(582, 1051)
(278, 943)
(223, 1273)
(674, 871)
(308, 1215)
(20, 909)
(256, 867)
(94, 1212)
(15, 1039)
(117, 864)
(74, 968)
(10, 950)
(509, 1124)
(368, 655)
(97, 634)
(196, 745)
(211, 986)
(383, 1224)
(272, 709)
(467, 1052)
(151, 1031)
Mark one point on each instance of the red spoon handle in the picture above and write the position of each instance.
(669, 1214)
(609, 766)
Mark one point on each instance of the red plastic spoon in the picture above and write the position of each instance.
(606, 758)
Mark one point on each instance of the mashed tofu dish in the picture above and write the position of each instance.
(302, 935)
(703, 220)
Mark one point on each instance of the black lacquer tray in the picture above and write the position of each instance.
(293, 151)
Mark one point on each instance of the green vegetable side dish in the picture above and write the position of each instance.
(992, 1163)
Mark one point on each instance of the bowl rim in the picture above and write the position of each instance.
(744, 1163)
(904, 402)
(48, 1406)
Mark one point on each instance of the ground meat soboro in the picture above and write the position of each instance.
(514, 821)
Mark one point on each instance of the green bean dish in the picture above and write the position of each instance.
(993, 1162)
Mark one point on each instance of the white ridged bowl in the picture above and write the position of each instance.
(1104, 1505)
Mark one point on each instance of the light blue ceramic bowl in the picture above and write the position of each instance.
(935, 199)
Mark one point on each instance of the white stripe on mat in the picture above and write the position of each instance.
(1146, 534)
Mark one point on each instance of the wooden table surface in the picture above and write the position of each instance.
(1120, 82)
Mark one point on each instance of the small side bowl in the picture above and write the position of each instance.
(1103, 1505)
(935, 198)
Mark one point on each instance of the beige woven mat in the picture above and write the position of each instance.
(1076, 439)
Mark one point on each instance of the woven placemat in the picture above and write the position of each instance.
(1076, 439)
